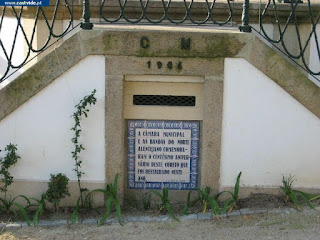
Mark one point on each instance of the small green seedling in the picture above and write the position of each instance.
(41, 206)
(231, 202)
(146, 200)
(111, 193)
(206, 199)
(165, 205)
(293, 195)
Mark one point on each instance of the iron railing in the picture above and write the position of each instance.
(173, 12)
(287, 32)
(196, 12)
(49, 16)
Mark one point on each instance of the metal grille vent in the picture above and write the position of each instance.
(164, 100)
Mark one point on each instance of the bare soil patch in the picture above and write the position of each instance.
(135, 208)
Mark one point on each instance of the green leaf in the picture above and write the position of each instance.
(314, 198)
(294, 198)
(214, 206)
(37, 213)
(170, 211)
(109, 205)
(226, 205)
(165, 194)
(186, 210)
(220, 193)
(75, 216)
(236, 188)
(118, 212)
(303, 196)
(157, 193)
(108, 211)
(23, 212)
(204, 210)
(100, 190)
(188, 199)
(24, 197)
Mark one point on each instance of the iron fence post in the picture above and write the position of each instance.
(86, 24)
(245, 18)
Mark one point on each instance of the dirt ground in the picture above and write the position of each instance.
(134, 208)
(300, 225)
(286, 226)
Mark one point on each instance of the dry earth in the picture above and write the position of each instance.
(300, 225)
(286, 226)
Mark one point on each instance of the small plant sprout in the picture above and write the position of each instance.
(165, 205)
(294, 195)
(112, 199)
(41, 206)
(81, 110)
(146, 200)
(231, 202)
(57, 189)
(206, 200)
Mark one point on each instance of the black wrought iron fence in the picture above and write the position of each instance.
(12, 18)
(197, 12)
(287, 36)
(167, 11)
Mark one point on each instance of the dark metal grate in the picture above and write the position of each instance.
(164, 100)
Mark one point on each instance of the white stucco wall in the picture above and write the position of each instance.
(7, 33)
(314, 61)
(268, 28)
(266, 133)
(41, 126)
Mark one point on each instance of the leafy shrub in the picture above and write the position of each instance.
(57, 189)
(10, 159)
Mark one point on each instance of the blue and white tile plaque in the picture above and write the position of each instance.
(163, 154)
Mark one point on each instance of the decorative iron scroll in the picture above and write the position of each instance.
(175, 12)
(283, 23)
(29, 34)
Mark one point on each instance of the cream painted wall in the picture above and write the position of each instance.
(7, 34)
(266, 133)
(41, 126)
(314, 62)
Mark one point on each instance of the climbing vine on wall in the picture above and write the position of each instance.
(82, 109)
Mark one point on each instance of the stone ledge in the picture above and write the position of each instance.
(165, 42)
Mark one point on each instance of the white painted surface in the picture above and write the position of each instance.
(7, 33)
(314, 62)
(266, 133)
(41, 126)
(269, 30)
